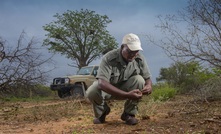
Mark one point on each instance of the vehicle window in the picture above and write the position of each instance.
(95, 71)
(85, 71)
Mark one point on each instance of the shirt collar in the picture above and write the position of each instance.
(121, 60)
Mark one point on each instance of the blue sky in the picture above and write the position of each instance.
(128, 16)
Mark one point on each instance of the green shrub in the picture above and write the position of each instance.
(27, 91)
(187, 76)
(163, 92)
(22, 99)
(210, 90)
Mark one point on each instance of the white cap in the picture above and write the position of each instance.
(132, 41)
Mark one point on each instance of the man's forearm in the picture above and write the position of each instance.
(108, 88)
(148, 82)
(147, 87)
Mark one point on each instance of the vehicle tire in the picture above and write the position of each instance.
(60, 94)
(63, 94)
(77, 92)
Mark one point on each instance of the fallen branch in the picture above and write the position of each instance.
(213, 120)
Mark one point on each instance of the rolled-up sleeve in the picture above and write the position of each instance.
(104, 71)
(144, 68)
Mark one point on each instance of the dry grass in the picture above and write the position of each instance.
(74, 116)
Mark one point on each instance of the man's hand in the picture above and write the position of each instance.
(147, 89)
(134, 94)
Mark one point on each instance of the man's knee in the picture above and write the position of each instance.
(137, 81)
(93, 92)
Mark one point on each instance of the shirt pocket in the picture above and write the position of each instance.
(114, 78)
(136, 71)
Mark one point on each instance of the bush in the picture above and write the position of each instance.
(187, 76)
(210, 90)
(27, 91)
(163, 92)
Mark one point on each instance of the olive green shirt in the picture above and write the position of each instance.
(115, 70)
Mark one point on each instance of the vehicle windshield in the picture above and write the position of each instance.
(85, 71)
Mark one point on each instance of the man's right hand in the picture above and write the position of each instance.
(110, 89)
(134, 94)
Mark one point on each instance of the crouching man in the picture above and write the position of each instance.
(123, 74)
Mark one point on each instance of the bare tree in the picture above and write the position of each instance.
(200, 37)
(21, 65)
(2, 53)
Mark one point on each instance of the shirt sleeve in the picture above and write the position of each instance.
(145, 68)
(104, 71)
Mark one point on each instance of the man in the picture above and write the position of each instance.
(123, 74)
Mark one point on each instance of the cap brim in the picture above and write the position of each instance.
(134, 47)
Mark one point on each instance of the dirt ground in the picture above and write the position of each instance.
(180, 115)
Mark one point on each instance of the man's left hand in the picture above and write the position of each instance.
(147, 89)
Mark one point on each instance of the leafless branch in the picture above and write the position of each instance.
(22, 64)
(200, 37)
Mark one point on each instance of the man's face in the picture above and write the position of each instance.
(128, 54)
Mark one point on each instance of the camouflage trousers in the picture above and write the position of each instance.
(98, 98)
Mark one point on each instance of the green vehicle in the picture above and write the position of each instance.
(75, 85)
